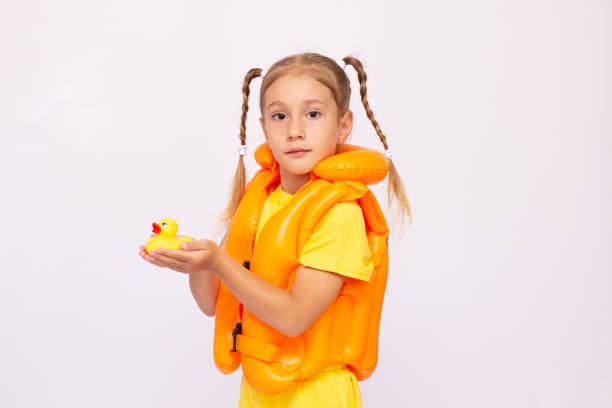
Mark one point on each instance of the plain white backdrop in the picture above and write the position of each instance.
(115, 114)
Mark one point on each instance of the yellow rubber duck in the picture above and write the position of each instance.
(166, 236)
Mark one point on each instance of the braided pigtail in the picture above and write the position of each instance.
(395, 187)
(239, 182)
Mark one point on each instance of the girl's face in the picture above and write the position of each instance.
(301, 125)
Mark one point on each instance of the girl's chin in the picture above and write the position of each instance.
(298, 171)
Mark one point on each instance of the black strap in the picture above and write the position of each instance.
(237, 330)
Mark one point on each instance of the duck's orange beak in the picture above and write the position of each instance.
(156, 228)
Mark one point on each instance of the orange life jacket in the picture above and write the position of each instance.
(347, 330)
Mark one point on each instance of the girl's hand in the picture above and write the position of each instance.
(144, 255)
(194, 256)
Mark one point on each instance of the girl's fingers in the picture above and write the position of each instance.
(166, 258)
(143, 253)
(177, 254)
(168, 261)
(155, 262)
(147, 257)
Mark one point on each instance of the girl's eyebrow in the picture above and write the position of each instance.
(305, 102)
(314, 100)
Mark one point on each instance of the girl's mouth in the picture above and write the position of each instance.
(297, 153)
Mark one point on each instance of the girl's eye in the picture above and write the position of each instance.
(316, 114)
(280, 115)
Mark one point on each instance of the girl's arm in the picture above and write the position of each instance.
(290, 312)
(204, 287)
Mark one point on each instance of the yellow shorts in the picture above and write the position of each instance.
(333, 387)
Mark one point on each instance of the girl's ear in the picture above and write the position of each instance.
(346, 126)
(263, 126)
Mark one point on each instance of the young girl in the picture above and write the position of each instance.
(298, 303)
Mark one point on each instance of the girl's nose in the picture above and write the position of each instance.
(296, 130)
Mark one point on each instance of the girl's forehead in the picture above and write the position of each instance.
(292, 87)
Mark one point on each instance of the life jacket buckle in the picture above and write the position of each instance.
(235, 332)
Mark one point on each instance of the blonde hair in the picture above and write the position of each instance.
(329, 73)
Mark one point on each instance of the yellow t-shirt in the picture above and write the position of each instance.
(338, 244)
(333, 387)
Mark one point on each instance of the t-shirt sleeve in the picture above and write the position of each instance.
(339, 243)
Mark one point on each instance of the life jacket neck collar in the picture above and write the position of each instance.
(351, 163)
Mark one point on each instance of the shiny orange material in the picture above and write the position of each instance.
(347, 330)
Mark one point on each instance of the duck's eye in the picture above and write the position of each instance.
(163, 224)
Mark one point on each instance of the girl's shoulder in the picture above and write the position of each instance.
(345, 211)
(339, 243)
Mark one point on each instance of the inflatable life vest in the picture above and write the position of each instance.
(347, 330)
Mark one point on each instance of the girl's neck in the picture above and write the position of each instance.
(291, 183)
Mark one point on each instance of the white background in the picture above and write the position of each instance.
(115, 114)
